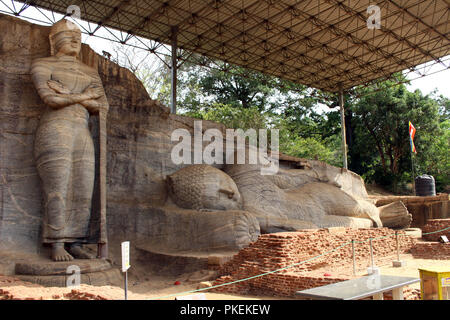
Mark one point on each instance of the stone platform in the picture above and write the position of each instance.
(164, 262)
(102, 278)
(49, 268)
(43, 271)
(97, 272)
(422, 209)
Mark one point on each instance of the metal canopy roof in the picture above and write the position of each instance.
(318, 43)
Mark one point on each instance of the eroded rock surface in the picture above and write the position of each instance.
(138, 163)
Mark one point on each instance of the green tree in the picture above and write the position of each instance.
(238, 87)
(237, 118)
(150, 71)
(436, 161)
(381, 119)
(244, 99)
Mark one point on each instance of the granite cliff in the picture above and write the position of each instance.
(139, 160)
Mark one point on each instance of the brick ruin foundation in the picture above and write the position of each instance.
(431, 248)
(280, 250)
(434, 225)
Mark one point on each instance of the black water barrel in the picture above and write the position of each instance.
(425, 186)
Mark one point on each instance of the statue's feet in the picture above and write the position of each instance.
(395, 215)
(79, 253)
(59, 253)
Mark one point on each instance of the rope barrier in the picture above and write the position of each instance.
(436, 231)
(284, 268)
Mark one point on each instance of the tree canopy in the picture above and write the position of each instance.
(381, 149)
(309, 121)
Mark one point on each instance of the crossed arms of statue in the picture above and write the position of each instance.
(58, 96)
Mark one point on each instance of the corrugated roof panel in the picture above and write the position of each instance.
(321, 43)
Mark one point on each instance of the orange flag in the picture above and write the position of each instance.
(412, 132)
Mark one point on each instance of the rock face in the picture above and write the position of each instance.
(138, 162)
(139, 147)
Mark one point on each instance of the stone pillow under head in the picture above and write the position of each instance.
(202, 186)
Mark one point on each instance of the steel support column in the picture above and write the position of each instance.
(344, 143)
(174, 67)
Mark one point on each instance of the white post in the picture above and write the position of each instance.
(398, 263)
(125, 248)
(372, 269)
(371, 253)
(354, 257)
(126, 285)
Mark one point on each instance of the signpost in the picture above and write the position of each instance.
(126, 263)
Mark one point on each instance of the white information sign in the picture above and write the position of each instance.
(125, 255)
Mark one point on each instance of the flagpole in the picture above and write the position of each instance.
(412, 132)
(413, 174)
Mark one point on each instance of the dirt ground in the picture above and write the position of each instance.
(143, 286)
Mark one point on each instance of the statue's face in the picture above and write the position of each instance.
(68, 43)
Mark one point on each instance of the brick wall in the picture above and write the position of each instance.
(431, 250)
(276, 284)
(435, 225)
(280, 250)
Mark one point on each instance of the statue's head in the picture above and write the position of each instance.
(65, 38)
(202, 186)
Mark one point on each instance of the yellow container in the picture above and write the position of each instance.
(435, 284)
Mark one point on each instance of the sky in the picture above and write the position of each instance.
(439, 81)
